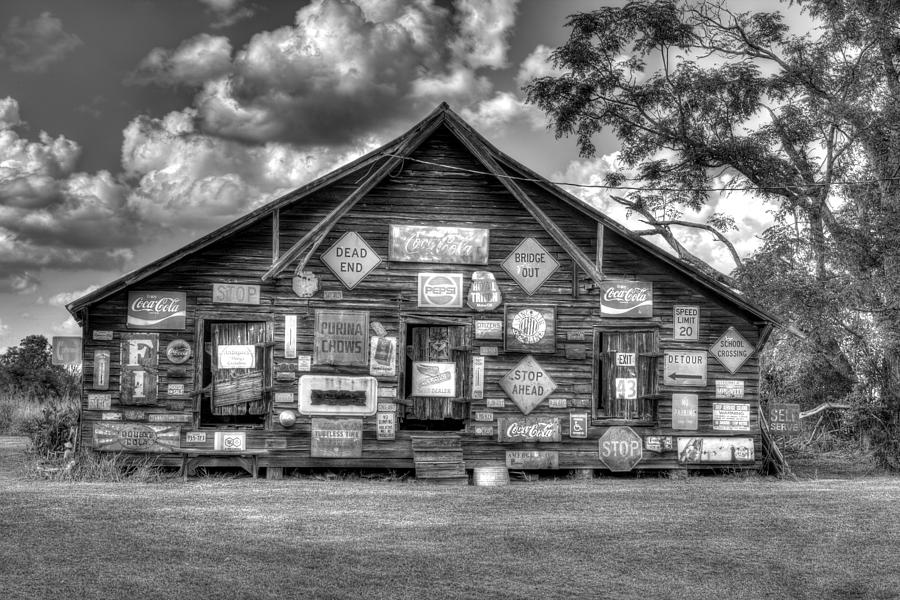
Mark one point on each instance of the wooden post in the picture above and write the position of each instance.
(275, 473)
(276, 234)
(600, 231)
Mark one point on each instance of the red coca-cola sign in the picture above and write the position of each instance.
(626, 299)
(157, 310)
(528, 429)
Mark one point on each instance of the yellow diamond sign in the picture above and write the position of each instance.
(530, 264)
(351, 259)
(732, 349)
(527, 384)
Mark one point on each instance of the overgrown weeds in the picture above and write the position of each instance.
(85, 465)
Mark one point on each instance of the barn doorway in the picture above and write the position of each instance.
(435, 376)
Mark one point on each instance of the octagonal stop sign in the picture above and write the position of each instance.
(620, 448)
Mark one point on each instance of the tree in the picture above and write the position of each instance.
(28, 369)
(810, 122)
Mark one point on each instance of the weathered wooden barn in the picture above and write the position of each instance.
(432, 305)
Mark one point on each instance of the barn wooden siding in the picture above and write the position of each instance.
(432, 192)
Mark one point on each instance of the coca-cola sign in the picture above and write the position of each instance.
(157, 310)
(626, 299)
(528, 429)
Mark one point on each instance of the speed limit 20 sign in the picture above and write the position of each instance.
(686, 323)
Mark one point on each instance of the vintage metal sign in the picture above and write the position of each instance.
(66, 350)
(337, 395)
(484, 416)
(305, 284)
(477, 377)
(136, 437)
(386, 425)
(530, 265)
(495, 402)
(434, 379)
(484, 293)
(99, 401)
(659, 443)
(448, 245)
(731, 416)
(383, 352)
(235, 293)
(528, 429)
(178, 351)
(626, 299)
(290, 336)
(488, 330)
(230, 440)
(620, 449)
(731, 349)
(684, 368)
(532, 459)
(685, 323)
(527, 384)
(531, 329)
(729, 389)
(195, 437)
(102, 335)
(695, 450)
(138, 375)
(578, 425)
(784, 419)
(351, 258)
(684, 411)
(157, 310)
(101, 370)
(480, 429)
(440, 290)
(341, 337)
(336, 438)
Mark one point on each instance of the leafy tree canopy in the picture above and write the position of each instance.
(808, 121)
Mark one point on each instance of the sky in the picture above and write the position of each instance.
(129, 128)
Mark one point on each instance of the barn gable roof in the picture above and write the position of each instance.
(375, 166)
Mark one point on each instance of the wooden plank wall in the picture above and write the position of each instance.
(424, 194)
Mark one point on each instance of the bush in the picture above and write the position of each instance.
(52, 428)
(86, 465)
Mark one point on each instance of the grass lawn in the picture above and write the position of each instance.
(725, 537)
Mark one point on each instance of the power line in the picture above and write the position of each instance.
(643, 189)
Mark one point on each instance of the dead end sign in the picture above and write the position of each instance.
(351, 259)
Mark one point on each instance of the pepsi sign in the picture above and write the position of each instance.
(440, 290)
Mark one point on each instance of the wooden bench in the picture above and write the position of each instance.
(246, 459)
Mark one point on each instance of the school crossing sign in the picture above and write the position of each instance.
(732, 349)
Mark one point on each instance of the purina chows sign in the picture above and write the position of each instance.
(626, 299)
(157, 310)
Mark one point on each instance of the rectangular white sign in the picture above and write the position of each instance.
(236, 356)
(290, 336)
(686, 323)
(235, 293)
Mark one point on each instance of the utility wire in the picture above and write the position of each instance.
(643, 189)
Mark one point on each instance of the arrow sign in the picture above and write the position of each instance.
(685, 368)
(684, 376)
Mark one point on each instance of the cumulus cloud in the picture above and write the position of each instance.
(342, 70)
(194, 181)
(32, 46)
(227, 12)
(50, 214)
(195, 61)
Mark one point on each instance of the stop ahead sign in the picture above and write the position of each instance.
(620, 449)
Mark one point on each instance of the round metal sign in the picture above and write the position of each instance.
(178, 351)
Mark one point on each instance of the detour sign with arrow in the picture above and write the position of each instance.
(685, 368)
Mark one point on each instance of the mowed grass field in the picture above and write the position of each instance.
(701, 537)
